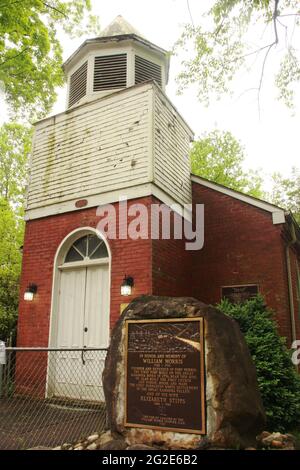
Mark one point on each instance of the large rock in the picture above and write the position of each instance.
(234, 409)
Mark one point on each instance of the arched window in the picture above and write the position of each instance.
(89, 247)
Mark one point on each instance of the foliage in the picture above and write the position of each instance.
(278, 381)
(11, 235)
(235, 32)
(286, 192)
(15, 145)
(219, 157)
(30, 52)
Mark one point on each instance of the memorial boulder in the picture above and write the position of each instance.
(178, 374)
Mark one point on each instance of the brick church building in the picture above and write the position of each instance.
(120, 136)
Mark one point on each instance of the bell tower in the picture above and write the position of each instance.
(119, 138)
(120, 58)
(120, 134)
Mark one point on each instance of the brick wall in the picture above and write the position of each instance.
(161, 267)
(241, 246)
(171, 273)
(42, 239)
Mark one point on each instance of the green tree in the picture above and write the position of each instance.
(233, 34)
(219, 157)
(278, 380)
(30, 51)
(15, 146)
(11, 236)
(286, 192)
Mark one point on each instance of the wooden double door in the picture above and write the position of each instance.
(82, 323)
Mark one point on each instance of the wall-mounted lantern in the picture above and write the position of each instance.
(30, 291)
(127, 285)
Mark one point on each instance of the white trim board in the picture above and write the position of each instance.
(110, 197)
(278, 215)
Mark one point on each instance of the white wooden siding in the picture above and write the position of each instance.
(92, 149)
(172, 139)
(124, 140)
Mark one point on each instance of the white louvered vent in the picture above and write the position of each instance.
(110, 72)
(78, 83)
(146, 70)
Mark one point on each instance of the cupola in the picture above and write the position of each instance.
(119, 58)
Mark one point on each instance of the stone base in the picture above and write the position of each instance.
(107, 441)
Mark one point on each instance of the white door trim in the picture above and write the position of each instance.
(58, 267)
(83, 264)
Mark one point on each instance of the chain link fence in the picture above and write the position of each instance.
(50, 396)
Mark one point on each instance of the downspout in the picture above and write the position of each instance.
(290, 284)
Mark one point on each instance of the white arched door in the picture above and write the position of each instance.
(82, 319)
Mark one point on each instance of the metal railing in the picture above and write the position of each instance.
(50, 396)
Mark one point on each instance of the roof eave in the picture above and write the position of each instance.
(119, 38)
(278, 213)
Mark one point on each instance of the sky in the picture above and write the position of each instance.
(270, 140)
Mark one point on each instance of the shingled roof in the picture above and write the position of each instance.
(118, 27)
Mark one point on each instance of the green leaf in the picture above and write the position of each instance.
(31, 54)
(227, 39)
(219, 157)
(278, 381)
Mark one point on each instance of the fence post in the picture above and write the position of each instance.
(2, 363)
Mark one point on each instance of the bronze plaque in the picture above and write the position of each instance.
(165, 375)
(239, 294)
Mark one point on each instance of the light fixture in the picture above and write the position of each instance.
(127, 285)
(30, 291)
